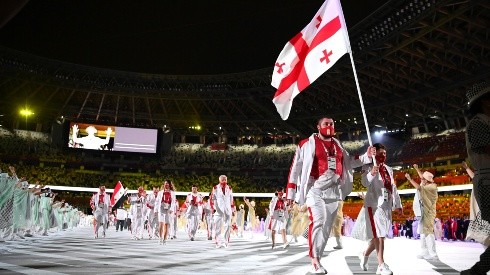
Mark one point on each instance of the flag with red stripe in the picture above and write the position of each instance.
(309, 54)
(116, 197)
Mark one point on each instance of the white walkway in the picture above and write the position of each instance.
(77, 252)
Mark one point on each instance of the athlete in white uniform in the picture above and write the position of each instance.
(223, 206)
(138, 203)
(279, 217)
(150, 213)
(321, 172)
(100, 204)
(208, 216)
(194, 212)
(164, 204)
(380, 199)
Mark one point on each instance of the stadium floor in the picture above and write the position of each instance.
(77, 252)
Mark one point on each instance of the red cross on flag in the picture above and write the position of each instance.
(309, 54)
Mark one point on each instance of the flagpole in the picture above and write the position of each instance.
(362, 103)
(360, 99)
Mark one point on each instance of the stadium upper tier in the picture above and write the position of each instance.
(258, 168)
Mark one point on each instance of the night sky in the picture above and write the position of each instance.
(167, 36)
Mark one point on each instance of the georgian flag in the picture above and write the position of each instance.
(309, 54)
(119, 193)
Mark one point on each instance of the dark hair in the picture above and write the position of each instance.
(172, 187)
(379, 146)
(322, 118)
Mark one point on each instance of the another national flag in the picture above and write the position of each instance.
(118, 196)
(309, 54)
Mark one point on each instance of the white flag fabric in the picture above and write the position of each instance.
(309, 54)
(118, 193)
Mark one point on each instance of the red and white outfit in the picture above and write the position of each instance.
(279, 217)
(223, 204)
(100, 203)
(380, 200)
(173, 220)
(208, 216)
(321, 174)
(193, 213)
(150, 213)
(164, 204)
(138, 209)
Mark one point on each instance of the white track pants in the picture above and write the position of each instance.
(192, 224)
(222, 223)
(322, 213)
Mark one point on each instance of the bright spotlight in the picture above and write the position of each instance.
(26, 112)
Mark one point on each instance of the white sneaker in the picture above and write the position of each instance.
(431, 257)
(364, 261)
(422, 256)
(286, 245)
(384, 269)
(217, 246)
(319, 270)
(225, 245)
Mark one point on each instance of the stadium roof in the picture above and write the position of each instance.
(166, 37)
(209, 63)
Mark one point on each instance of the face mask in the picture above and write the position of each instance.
(327, 131)
(380, 159)
(280, 194)
(223, 183)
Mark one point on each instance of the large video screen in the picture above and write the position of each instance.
(112, 138)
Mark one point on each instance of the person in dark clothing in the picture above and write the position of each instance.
(408, 225)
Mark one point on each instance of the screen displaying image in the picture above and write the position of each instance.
(112, 138)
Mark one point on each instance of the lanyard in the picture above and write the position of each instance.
(326, 150)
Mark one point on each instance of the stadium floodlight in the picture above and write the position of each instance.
(26, 112)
